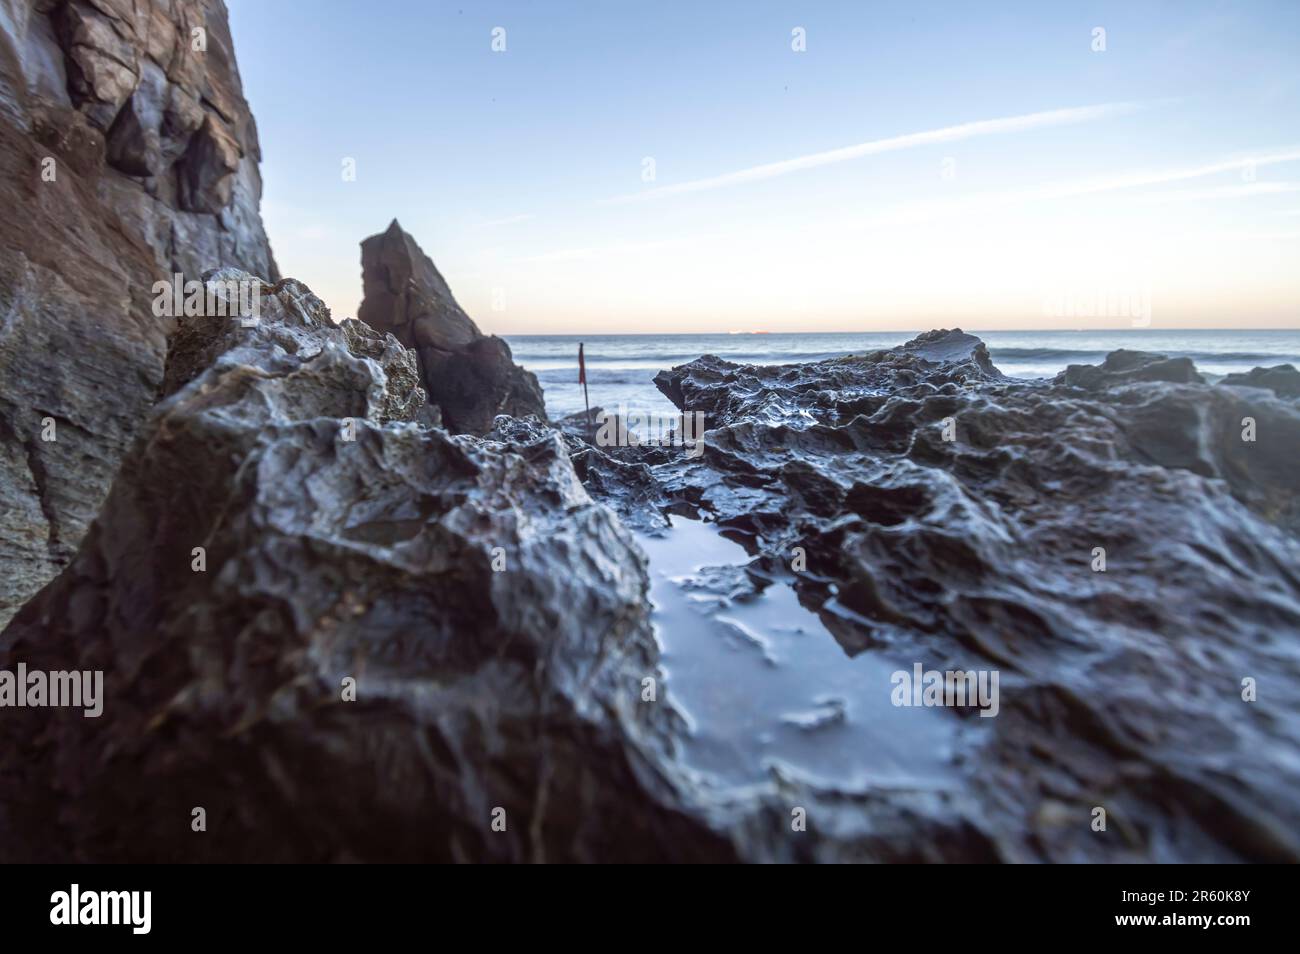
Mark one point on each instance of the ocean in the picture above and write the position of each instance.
(621, 368)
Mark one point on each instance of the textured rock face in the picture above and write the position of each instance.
(470, 376)
(1125, 367)
(955, 518)
(329, 558)
(494, 619)
(143, 97)
(126, 155)
(1283, 380)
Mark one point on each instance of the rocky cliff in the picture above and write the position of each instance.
(470, 376)
(127, 154)
(342, 635)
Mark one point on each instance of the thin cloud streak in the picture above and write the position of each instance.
(986, 127)
(994, 201)
(1240, 236)
(986, 203)
(1131, 180)
(1224, 192)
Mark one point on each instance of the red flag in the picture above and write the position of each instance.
(582, 367)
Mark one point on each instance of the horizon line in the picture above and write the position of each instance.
(976, 333)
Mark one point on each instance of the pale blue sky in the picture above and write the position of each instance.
(1169, 164)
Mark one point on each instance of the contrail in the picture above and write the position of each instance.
(984, 127)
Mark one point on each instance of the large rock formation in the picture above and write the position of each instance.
(347, 636)
(1282, 379)
(340, 544)
(470, 376)
(1121, 544)
(127, 154)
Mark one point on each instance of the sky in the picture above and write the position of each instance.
(642, 167)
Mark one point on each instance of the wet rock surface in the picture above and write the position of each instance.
(845, 520)
(1125, 367)
(357, 600)
(494, 618)
(329, 558)
(1283, 380)
(932, 511)
(470, 376)
(126, 155)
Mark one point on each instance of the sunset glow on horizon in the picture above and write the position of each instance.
(675, 169)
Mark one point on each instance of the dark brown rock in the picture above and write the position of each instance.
(207, 170)
(472, 377)
(125, 157)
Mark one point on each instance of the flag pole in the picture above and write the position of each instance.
(582, 378)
